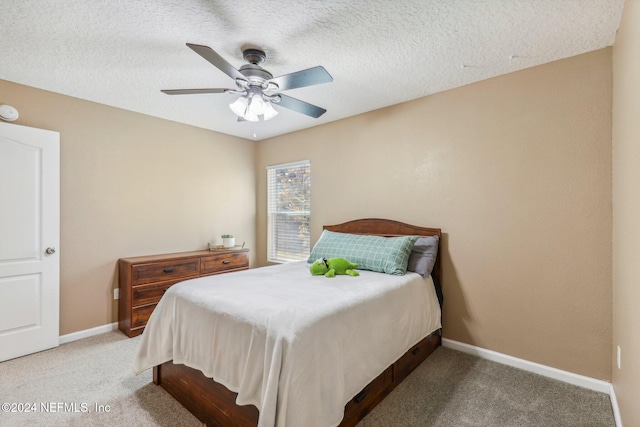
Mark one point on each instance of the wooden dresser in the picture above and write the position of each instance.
(144, 279)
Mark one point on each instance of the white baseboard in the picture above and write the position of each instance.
(616, 408)
(74, 336)
(546, 371)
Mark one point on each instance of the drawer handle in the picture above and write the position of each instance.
(415, 351)
(168, 270)
(226, 261)
(142, 291)
(360, 396)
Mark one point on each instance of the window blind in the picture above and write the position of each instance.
(288, 211)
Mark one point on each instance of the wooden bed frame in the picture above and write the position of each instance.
(214, 404)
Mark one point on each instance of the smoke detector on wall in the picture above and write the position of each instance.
(8, 113)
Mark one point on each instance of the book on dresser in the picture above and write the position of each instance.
(144, 279)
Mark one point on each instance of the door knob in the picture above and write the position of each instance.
(50, 250)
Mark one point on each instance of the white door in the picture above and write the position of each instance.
(29, 240)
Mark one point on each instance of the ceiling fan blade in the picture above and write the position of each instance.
(218, 61)
(192, 91)
(308, 77)
(300, 106)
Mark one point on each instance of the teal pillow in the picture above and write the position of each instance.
(376, 253)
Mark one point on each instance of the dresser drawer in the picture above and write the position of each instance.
(140, 315)
(223, 262)
(412, 358)
(165, 270)
(151, 293)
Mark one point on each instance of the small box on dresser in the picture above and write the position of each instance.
(144, 279)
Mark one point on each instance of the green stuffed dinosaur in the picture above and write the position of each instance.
(332, 266)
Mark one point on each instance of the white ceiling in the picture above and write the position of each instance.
(379, 52)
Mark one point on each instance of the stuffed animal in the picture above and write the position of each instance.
(332, 266)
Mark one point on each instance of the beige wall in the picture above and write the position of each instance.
(132, 185)
(516, 171)
(626, 213)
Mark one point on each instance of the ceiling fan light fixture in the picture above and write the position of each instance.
(251, 107)
(257, 87)
(239, 106)
(256, 105)
(251, 117)
(269, 111)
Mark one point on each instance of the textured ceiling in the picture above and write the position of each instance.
(379, 52)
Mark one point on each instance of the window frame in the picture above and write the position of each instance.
(278, 243)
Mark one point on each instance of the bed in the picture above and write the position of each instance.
(317, 352)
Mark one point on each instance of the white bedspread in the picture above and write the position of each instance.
(296, 346)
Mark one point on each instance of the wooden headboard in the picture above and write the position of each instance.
(390, 228)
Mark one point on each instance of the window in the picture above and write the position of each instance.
(288, 211)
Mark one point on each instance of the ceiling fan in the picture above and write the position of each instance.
(257, 87)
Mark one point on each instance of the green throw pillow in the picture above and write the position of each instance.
(382, 254)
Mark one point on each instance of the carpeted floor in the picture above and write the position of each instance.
(89, 383)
